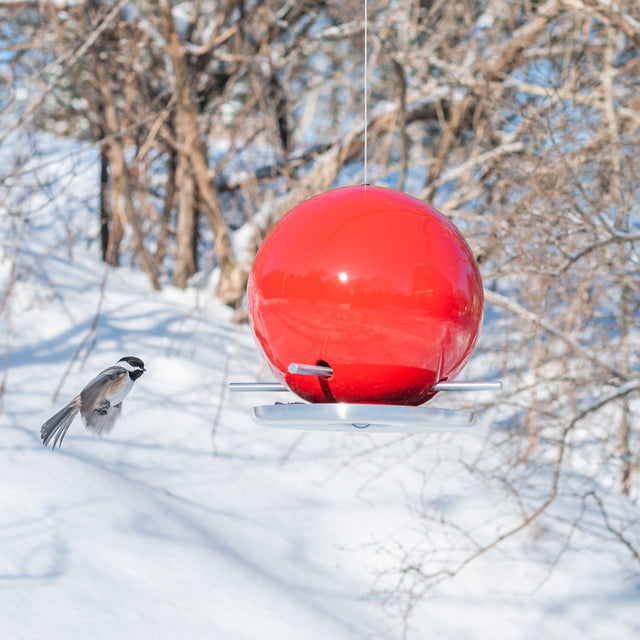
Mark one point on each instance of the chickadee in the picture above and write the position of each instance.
(100, 402)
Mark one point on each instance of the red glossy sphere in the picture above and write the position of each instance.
(376, 284)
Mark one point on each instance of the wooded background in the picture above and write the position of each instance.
(520, 120)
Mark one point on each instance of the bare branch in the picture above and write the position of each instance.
(540, 321)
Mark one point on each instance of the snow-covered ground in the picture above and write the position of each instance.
(191, 521)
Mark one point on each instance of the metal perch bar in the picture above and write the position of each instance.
(257, 386)
(441, 386)
(464, 385)
(327, 372)
(311, 370)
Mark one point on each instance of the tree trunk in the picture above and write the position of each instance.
(185, 262)
(104, 202)
(163, 239)
(122, 207)
(232, 277)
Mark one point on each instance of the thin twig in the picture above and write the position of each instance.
(91, 333)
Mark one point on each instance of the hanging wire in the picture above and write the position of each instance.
(366, 88)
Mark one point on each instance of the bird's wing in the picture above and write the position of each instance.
(114, 372)
(101, 386)
(102, 423)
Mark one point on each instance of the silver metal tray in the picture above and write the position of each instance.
(361, 417)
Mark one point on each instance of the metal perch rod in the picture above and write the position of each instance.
(311, 370)
(470, 385)
(257, 386)
(326, 372)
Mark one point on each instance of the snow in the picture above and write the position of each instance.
(191, 521)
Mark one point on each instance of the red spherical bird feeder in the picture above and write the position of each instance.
(372, 293)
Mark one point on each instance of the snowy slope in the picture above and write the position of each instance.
(190, 521)
(160, 530)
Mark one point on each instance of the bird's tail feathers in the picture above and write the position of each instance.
(56, 427)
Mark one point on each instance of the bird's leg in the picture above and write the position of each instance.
(102, 407)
